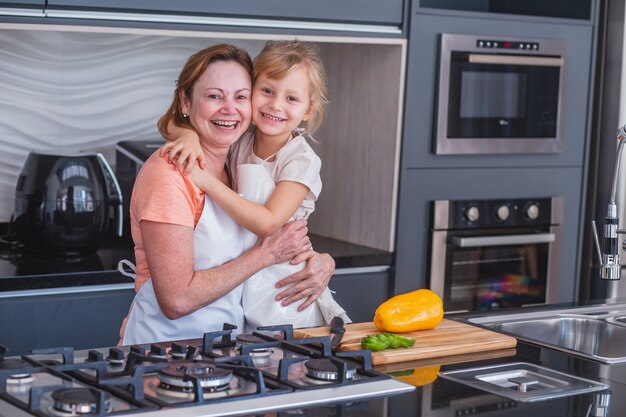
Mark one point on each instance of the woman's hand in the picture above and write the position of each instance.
(286, 243)
(309, 283)
(184, 152)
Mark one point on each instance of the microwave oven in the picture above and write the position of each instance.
(500, 95)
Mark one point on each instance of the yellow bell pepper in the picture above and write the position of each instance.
(417, 310)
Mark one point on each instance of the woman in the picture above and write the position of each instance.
(190, 264)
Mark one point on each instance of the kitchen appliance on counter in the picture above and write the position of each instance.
(491, 254)
(217, 375)
(129, 158)
(65, 203)
(500, 95)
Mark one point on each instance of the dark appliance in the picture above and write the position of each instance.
(500, 95)
(65, 204)
(576, 9)
(129, 158)
(217, 375)
(492, 254)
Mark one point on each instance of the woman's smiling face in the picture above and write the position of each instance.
(220, 107)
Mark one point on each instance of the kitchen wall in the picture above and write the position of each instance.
(77, 91)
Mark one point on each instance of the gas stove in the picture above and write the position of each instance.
(217, 375)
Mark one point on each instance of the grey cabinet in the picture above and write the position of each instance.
(361, 11)
(360, 293)
(80, 320)
(23, 3)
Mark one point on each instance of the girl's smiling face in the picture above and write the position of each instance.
(279, 106)
(219, 108)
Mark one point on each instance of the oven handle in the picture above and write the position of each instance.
(515, 60)
(504, 240)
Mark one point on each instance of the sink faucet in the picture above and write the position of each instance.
(609, 259)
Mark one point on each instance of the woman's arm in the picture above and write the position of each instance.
(183, 148)
(262, 220)
(180, 290)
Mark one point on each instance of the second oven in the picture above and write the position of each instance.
(491, 254)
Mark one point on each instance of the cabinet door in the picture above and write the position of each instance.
(360, 293)
(81, 320)
(387, 12)
(23, 3)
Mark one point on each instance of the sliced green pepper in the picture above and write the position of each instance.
(383, 341)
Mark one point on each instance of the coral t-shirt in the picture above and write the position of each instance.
(161, 194)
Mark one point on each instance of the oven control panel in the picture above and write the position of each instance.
(469, 214)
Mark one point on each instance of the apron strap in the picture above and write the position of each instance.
(121, 265)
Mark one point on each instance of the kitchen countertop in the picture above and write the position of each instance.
(444, 398)
(25, 272)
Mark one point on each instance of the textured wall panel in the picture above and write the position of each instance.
(75, 92)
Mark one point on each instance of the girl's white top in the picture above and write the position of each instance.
(296, 161)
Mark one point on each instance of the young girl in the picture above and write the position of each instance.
(277, 172)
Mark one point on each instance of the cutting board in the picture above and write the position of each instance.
(448, 338)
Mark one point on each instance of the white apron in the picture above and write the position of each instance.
(259, 304)
(217, 239)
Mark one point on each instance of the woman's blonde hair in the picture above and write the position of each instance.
(193, 69)
(278, 58)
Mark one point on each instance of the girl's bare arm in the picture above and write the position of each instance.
(262, 220)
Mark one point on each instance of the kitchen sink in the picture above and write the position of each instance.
(597, 333)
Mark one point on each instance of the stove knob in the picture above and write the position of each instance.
(502, 212)
(94, 356)
(116, 356)
(157, 350)
(472, 213)
(532, 211)
(178, 350)
(138, 350)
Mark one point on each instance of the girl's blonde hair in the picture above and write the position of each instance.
(278, 58)
(193, 69)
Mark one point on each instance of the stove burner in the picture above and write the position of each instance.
(17, 379)
(250, 339)
(77, 401)
(211, 378)
(246, 339)
(324, 370)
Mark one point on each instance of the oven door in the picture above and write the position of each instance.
(499, 102)
(492, 269)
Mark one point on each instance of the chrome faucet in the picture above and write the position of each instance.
(609, 259)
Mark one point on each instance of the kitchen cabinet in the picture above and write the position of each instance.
(81, 319)
(427, 176)
(92, 318)
(23, 3)
(420, 123)
(420, 187)
(360, 290)
(383, 12)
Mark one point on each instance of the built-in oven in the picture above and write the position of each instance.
(492, 254)
(500, 95)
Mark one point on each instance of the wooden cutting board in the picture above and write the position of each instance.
(448, 338)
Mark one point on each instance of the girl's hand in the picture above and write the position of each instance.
(309, 283)
(203, 179)
(184, 152)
